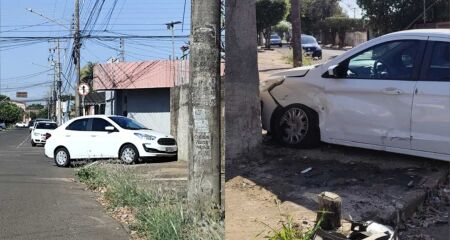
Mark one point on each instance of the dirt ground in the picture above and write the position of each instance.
(373, 185)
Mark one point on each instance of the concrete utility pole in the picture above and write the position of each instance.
(76, 52)
(296, 39)
(58, 82)
(204, 108)
(170, 26)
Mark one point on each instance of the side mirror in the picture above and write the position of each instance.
(109, 128)
(319, 42)
(332, 71)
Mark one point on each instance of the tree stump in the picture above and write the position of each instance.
(329, 211)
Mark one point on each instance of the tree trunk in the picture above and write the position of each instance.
(204, 108)
(329, 211)
(296, 33)
(268, 32)
(242, 103)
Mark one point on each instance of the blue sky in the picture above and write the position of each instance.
(24, 66)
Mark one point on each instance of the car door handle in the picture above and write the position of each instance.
(67, 135)
(392, 91)
(93, 135)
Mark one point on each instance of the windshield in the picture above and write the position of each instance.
(127, 123)
(308, 40)
(46, 126)
(274, 37)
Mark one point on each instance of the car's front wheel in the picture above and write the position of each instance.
(129, 154)
(297, 126)
(62, 157)
(33, 144)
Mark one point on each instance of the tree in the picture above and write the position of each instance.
(43, 113)
(35, 106)
(394, 15)
(296, 33)
(283, 29)
(268, 14)
(10, 113)
(4, 98)
(87, 73)
(204, 108)
(242, 103)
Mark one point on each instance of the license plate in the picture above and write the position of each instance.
(171, 149)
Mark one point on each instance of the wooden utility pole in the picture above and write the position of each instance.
(243, 135)
(204, 107)
(296, 33)
(329, 210)
(76, 56)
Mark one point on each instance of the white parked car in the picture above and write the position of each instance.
(41, 131)
(21, 125)
(100, 136)
(391, 93)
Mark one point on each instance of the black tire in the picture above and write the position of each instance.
(33, 144)
(281, 45)
(62, 157)
(304, 134)
(129, 154)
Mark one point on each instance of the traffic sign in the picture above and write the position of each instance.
(83, 89)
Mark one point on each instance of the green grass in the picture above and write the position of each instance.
(306, 61)
(160, 213)
(291, 231)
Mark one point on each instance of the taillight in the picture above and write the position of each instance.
(47, 136)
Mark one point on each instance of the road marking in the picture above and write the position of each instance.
(28, 137)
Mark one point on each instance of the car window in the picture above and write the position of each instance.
(439, 67)
(79, 125)
(99, 124)
(392, 60)
(42, 125)
(127, 123)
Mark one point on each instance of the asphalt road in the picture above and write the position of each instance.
(41, 201)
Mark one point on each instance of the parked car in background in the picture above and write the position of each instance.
(101, 136)
(33, 122)
(310, 46)
(2, 126)
(21, 125)
(391, 93)
(275, 40)
(41, 131)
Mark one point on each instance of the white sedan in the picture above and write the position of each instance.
(100, 136)
(41, 131)
(391, 93)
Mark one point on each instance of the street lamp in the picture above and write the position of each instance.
(170, 26)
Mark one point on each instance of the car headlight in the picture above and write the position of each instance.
(36, 134)
(271, 83)
(145, 136)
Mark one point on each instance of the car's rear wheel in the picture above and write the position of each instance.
(297, 126)
(62, 157)
(129, 154)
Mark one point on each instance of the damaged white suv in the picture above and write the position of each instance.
(391, 93)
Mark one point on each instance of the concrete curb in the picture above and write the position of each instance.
(413, 200)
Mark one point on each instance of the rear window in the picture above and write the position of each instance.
(46, 126)
(79, 125)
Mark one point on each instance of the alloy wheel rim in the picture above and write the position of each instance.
(128, 155)
(61, 157)
(294, 125)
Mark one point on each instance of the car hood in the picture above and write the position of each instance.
(295, 72)
(153, 133)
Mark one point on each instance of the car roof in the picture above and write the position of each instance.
(46, 122)
(435, 32)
